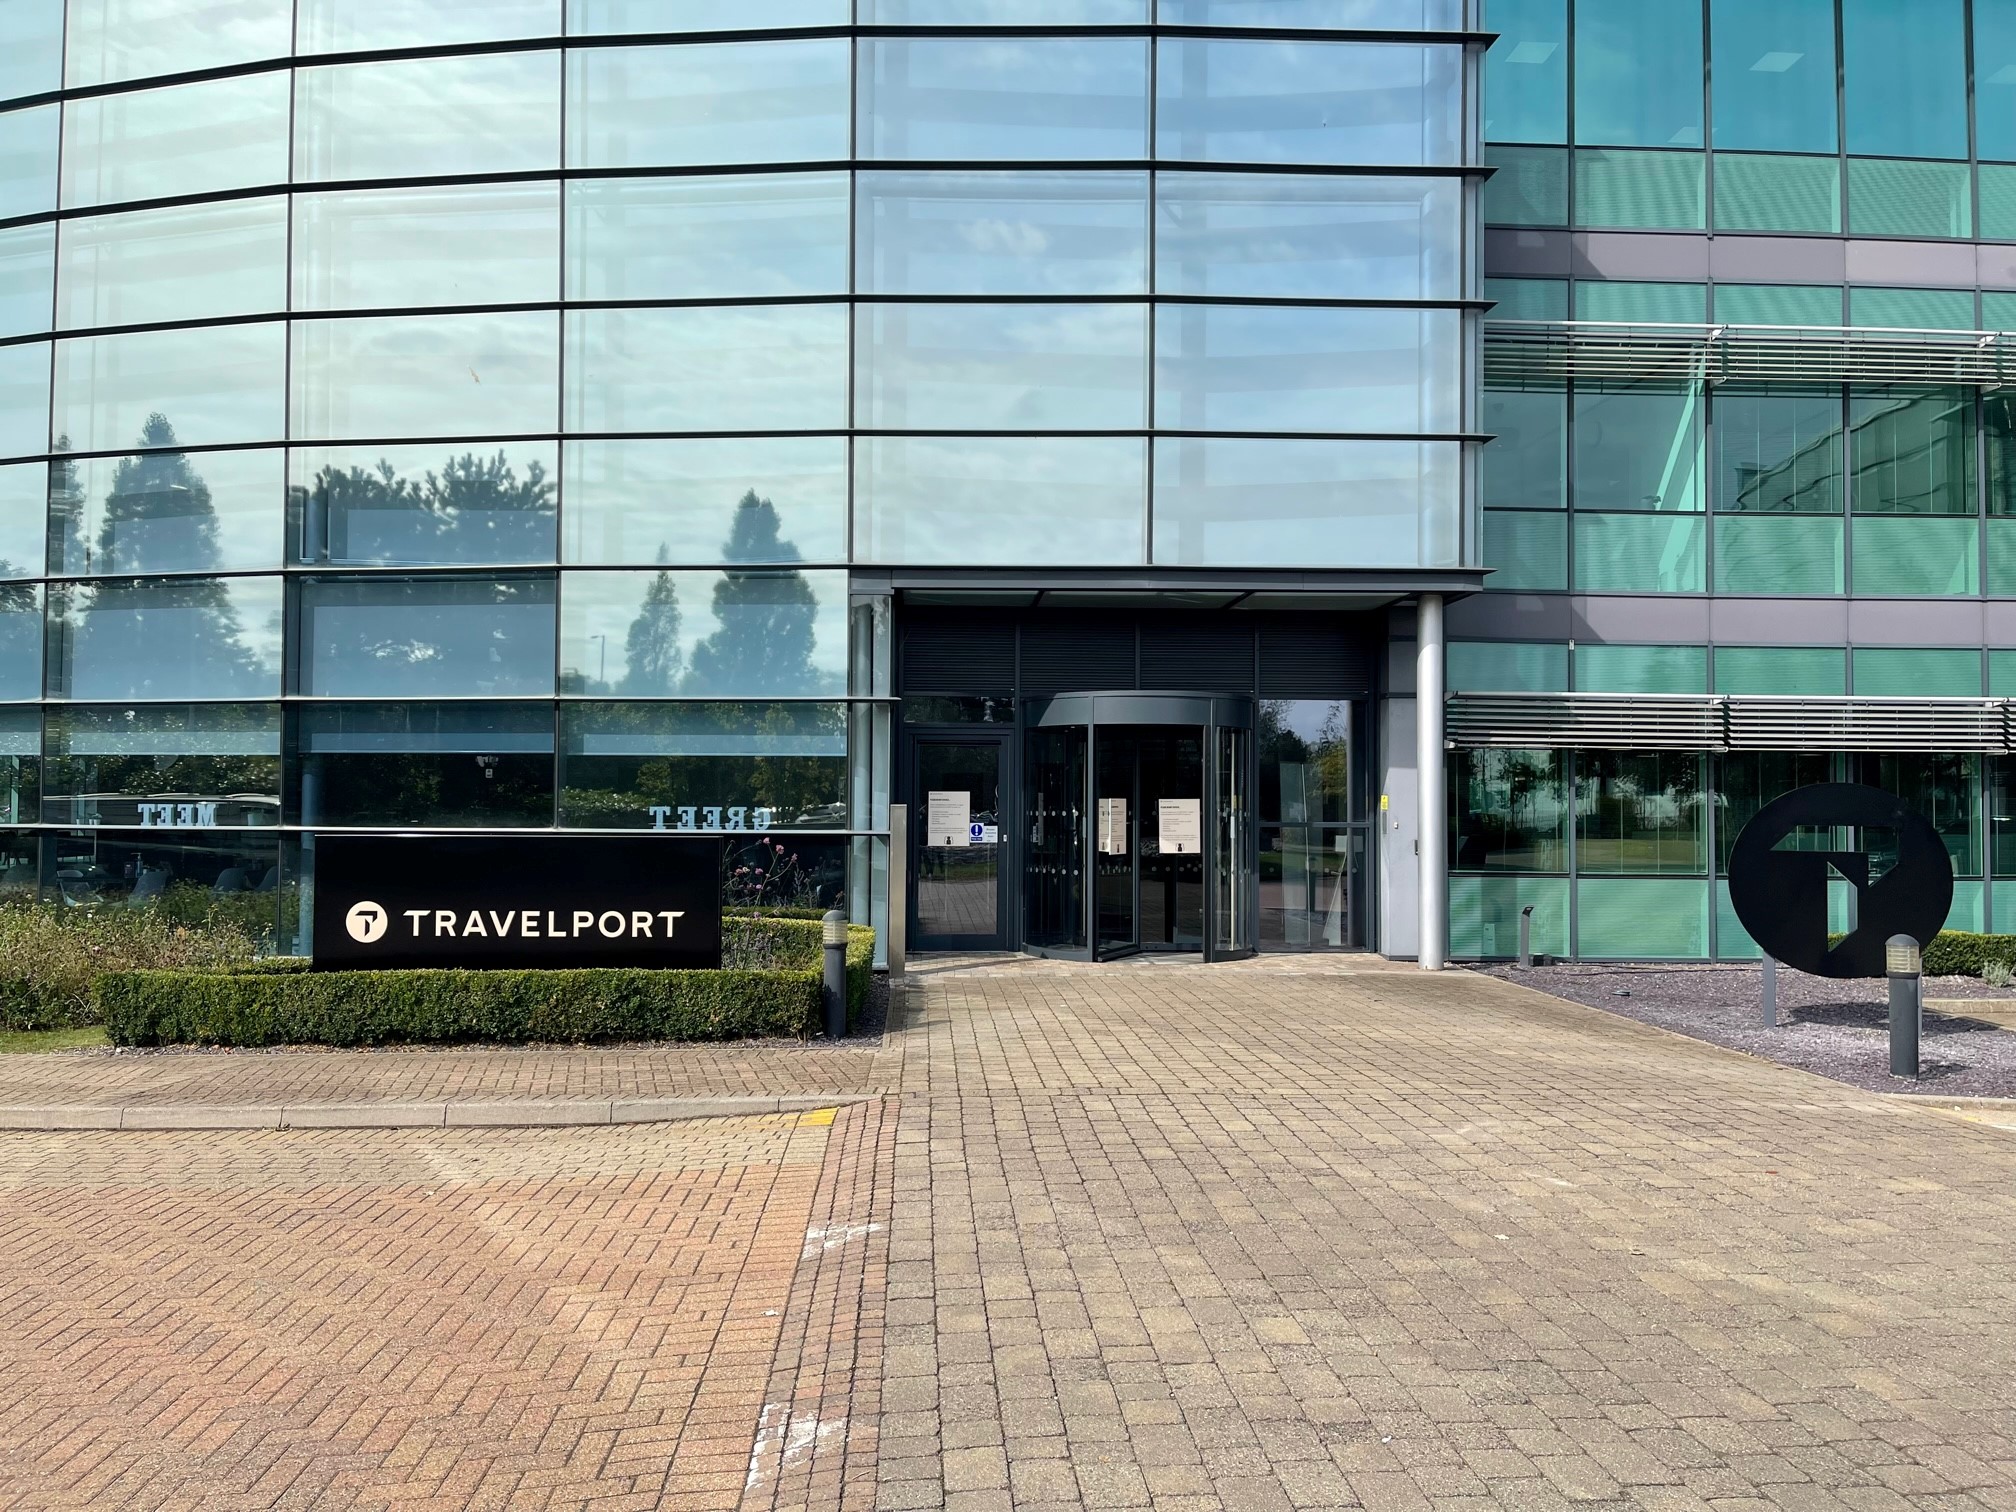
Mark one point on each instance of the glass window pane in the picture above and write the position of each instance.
(186, 262)
(1891, 198)
(1655, 303)
(1508, 811)
(358, 25)
(110, 40)
(414, 506)
(1526, 71)
(24, 500)
(735, 634)
(1508, 666)
(1641, 669)
(1526, 466)
(20, 641)
(1779, 553)
(1754, 192)
(24, 399)
(426, 375)
(166, 638)
(591, 18)
(1641, 191)
(1945, 789)
(1525, 549)
(1913, 309)
(1638, 446)
(1308, 237)
(1225, 503)
(703, 766)
(445, 245)
(28, 143)
(165, 510)
(1638, 553)
(1371, 15)
(735, 102)
(1305, 761)
(1528, 298)
(1774, 75)
(1002, 367)
(1260, 368)
(447, 766)
(1785, 671)
(1778, 451)
(1777, 304)
(1004, 12)
(209, 766)
(1004, 233)
(1905, 556)
(27, 279)
(1917, 672)
(1308, 102)
(31, 47)
(1640, 812)
(1998, 414)
(708, 236)
(1484, 915)
(1021, 98)
(700, 502)
(749, 367)
(493, 113)
(1912, 451)
(1638, 73)
(213, 387)
(20, 802)
(1906, 73)
(1017, 501)
(187, 139)
(1995, 78)
(426, 638)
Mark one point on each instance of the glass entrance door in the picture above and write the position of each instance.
(959, 890)
(1055, 840)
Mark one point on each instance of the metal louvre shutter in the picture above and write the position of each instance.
(1072, 657)
(1208, 657)
(964, 657)
(1314, 661)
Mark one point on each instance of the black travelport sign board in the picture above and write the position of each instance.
(531, 901)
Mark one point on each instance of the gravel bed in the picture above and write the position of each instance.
(1837, 1029)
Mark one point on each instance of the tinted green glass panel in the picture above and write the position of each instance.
(1509, 666)
(1656, 303)
(1782, 671)
(1917, 672)
(1994, 83)
(1638, 73)
(2002, 558)
(1638, 446)
(1778, 304)
(1484, 915)
(1642, 919)
(1906, 70)
(1508, 811)
(1526, 466)
(2005, 911)
(1640, 191)
(1998, 418)
(1915, 557)
(1777, 193)
(1530, 187)
(1526, 549)
(2002, 675)
(1774, 74)
(1732, 940)
(1943, 787)
(1526, 71)
(1747, 780)
(1778, 451)
(1998, 203)
(1641, 811)
(1763, 553)
(1998, 312)
(1641, 669)
(1965, 914)
(1638, 553)
(1913, 309)
(1909, 199)
(1538, 298)
(1912, 451)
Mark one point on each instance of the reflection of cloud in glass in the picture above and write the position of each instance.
(492, 113)
(733, 236)
(1004, 233)
(347, 25)
(734, 633)
(1004, 367)
(110, 40)
(443, 375)
(741, 368)
(183, 139)
(628, 500)
(226, 384)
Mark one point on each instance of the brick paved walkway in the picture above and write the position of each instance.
(1199, 1238)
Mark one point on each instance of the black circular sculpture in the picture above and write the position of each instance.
(1780, 895)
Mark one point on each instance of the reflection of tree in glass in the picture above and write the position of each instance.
(66, 513)
(175, 767)
(765, 621)
(718, 755)
(652, 656)
(475, 509)
(158, 516)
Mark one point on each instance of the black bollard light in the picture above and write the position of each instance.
(1902, 964)
(834, 933)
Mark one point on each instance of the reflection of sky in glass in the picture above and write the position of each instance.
(32, 60)
(740, 368)
(24, 496)
(600, 614)
(1004, 97)
(496, 113)
(24, 399)
(431, 375)
(215, 386)
(708, 236)
(1004, 12)
(184, 262)
(588, 18)
(1014, 501)
(442, 637)
(629, 501)
(174, 638)
(1004, 233)
(148, 514)
(110, 40)
(28, 160)
(735, 102)
(185, 139)
(444, 245)
(27, 277)
(1003, 367)
(339, 25)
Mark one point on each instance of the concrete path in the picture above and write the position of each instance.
(1166, 1235)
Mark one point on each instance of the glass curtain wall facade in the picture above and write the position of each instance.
(1803, 163)
(493, 438)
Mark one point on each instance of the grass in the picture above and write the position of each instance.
(41, 1041)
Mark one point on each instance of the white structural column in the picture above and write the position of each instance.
(1432, 825)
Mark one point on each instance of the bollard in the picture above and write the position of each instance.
(834, 932)
(1901, 962)
(1526, 938)
(1770, 993)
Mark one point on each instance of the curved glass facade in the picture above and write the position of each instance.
(499, 438)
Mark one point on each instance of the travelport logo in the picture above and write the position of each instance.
(367, 923)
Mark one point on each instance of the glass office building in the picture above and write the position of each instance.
(674, 417)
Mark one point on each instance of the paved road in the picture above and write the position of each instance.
(1188, 1237)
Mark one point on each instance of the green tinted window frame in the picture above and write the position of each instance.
(1782, 671)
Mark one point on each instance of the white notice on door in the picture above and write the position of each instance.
(1112, 826)
(948, 819)
(1182, 826)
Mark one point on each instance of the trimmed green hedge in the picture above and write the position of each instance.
(1953, 953)
(281, 1003)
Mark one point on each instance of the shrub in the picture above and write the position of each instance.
(280, 1002)
(51, 958)
(1953, 953)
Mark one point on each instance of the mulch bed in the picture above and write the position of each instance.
(1834, 1028)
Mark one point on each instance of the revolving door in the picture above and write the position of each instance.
(1137, 814)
